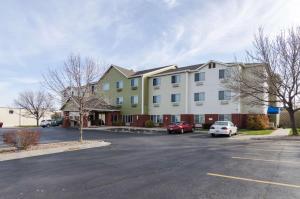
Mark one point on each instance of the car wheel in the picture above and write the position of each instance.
(182, 131)
(48, 125)
(229, 135)
(212, 135)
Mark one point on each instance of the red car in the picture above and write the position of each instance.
(180, 127)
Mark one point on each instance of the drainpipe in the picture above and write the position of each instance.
(187, 92)
(142, 101)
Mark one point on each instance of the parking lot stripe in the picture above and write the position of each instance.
(253, 180)
(257, 159)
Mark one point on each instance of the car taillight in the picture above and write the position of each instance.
(224, 128)
(212, 127)
(180, 126)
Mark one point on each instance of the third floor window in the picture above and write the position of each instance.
(175, 79)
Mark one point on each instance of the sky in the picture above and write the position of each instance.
(139, 34)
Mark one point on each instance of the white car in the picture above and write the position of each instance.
(223, 128)
(46, 123)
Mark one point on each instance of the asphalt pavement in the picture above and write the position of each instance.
(156, 166)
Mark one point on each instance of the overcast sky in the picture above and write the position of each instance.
(35, 35)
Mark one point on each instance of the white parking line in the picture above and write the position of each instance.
(253, 180)
(273, 150)
(257, 159)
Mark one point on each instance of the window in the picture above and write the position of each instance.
(105, 86)
(199, 119)
(175, 79)
(224, 95)
(156, 99)
(224, 73)
(119, 84)
(93, 89)
(127, 118)
(119, 100)
(134, 82)
(199, 96)
(156, 119)
(156, 81)
(224, 117)
(134, 100)
(212, 65)
(199, 76)
(72, 93)
(175, 118)
(175, 97)
(11, 111)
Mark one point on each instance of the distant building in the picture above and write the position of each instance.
(13, 117)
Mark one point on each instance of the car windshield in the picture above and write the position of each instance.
(221, 123)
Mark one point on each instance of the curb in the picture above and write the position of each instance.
(40, 152)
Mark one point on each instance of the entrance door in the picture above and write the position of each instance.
(102, 118)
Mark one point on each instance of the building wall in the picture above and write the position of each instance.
(112, 77)
(165, 90)
(211, 86)
(17, 118)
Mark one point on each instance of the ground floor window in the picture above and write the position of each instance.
(127, 118)
(156, 119)
(175, 118)
(199, 119)
(224, 117)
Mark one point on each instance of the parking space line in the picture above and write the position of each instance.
(257, 159)
(253, 180)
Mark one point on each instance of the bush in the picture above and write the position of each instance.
(257, 122)
(206, 125)
(149, 124)
(22, 139)
(118, 123)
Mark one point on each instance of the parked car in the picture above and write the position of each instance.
(180, 127)
(46, 123)
(223, 128)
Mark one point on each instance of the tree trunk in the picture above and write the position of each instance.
(293, 122)
(37, 122)
(80, 126)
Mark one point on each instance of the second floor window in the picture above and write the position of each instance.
(199, 96)
(156, 81)
(224, 95)
(134, 99)
(105, 86)
(134, 82)
(119, 84)
(175, 97)
(156, 99)
(199, 76)
(175, 79)
(119, 100)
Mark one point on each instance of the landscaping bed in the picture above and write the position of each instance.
(255, 132)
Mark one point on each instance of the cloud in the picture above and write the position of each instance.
(171, 3)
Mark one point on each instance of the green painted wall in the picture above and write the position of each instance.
(111, 77)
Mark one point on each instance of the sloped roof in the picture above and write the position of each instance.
(93, 103)
(141, 72)
(125, 71)
(182, 69)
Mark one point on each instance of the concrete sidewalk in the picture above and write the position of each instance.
(277, 134)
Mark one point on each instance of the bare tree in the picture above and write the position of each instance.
(36, 104)
(73, 81)
(276, 80)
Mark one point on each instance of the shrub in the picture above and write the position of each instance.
(22, 139)
(206, 125)
(257, 122)
(118, 123)
(149, 124)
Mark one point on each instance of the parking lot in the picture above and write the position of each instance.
(156, 166)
